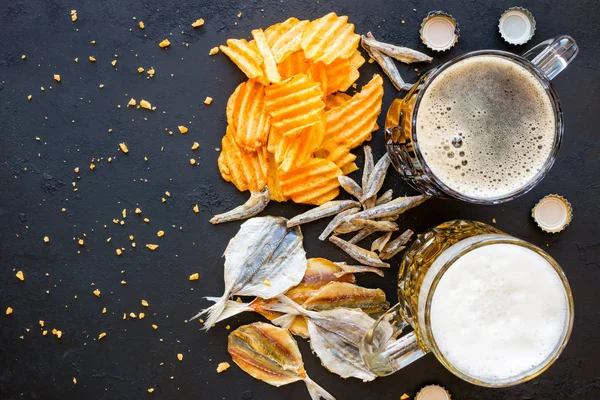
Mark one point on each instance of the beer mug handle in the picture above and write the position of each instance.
(554, 56)
(382, 351)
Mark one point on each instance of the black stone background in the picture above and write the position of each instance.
(36, 176)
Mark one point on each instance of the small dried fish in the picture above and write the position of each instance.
(335, 336)
(352, 269)
(396, 245)
(362, 234)
(394, 207)
(264, 259)
(328, 209)
(346, 227)
(402, 54)
(386, 197)
(387, 65)
(337, 220)
(358, 253)
(350, 186)
(271, 354)
(376, 226)
(379, 243)
(368, 167)
(348, 295)
(377, 177)
(255, 204)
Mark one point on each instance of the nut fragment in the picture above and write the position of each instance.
(165, 43)
(124, 148)
(96, 292)
(223, 366)
(57, 77)
(193, 161)
(132, 103)
(152, 246)
(194, 277)
(198, 23)
(208, 100)
(92, 59)
(20, 275)
(180, 356)
(9, 310)
(145, 303)
(145, 104)
(195, 146)
(141, 25)
(46, 239)
(138, 210)
(160, 233)
(182, 129)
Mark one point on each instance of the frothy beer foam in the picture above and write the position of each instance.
(486, 127)
(499, 312)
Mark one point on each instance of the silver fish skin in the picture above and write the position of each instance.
(358, 253)
(368, 167)
(396, 245)
(402, 54)
(377, 177)
(362, 234)
(377, 226)
(264, 250)
(255, 204)
(350, 186)
(394, 207)
(386, 197)
(338, 219)
(325, 210)
(354, 269)
(379, 243)
(346, 227)
(387, 65)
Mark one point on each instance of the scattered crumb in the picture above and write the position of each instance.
(100, 336)
(164, 43)
(124, 212)
(58, 334)
(57, 77)
(196, 209)
(194, 277)
(76, 59)
(208, 100)
(80, 242)
(46, 239)
(180, 356)
(92, 59)
(140, 70)
(152, 246)
(20, 275)
(138, 210)
(74, 381)
(371, 61)
(239, 15)
(104, 310)
(41, 322)
(132, 315)
(146, 220)
(96, 293)
(119, 252)
(141, 25)
(132, 103)
(213, 51)
(73, 15)
(113, 63)
(154, 326)
(23, 57)
(145, 104)
(493, 220)
(76, 169)
(151, 72)
(195, 146)
(404, 396)
(228, 327)
(192, 161)
(142, 315)
(9, 310)
(150, 390)
(198, 23)
(160, 233)
(123, 283)
(29, 97)
(224, 366)
(182, 129)
(145, 303)
(267, 282)
(168, 194)
(124, 149)
(92, 166)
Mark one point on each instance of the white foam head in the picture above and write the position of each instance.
(499, 312)
(486, 126)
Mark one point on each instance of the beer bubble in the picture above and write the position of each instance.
(457, 141)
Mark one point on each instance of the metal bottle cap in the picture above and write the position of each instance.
(433, 392)
(552, 213)
(516, 25)
(439, 31)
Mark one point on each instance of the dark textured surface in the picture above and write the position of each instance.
(36, 176)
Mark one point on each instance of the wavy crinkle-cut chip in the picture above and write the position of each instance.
(246, 170)
(294, 104)
(269, 65)
(335, 100)
(341, 157)
(318, 73)
(245, 55)
(299, 149)
(292, 65)
(247, 114)
(329, 38)
(273, 181)
(285, 38)
(352, 123)
(342, 73)
(315, 182)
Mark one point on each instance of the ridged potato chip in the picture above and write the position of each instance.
(335, 100)
(246, 170)
(247, 115)
(285, 38)
(315, 182)
(341, 157)
(273, 181)
(342, 73)
(269, 65)
(352, 123)
(294, 104)
(245, 55)
(301, 148)
(329, 38)
(292, 65)
(318, 73)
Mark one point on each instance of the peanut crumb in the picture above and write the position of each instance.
(145, 104)
(182, 129)
(57, 77)
(152, 246)
(198, 23)
(224, 366)
(41, 322)
(208, 100)
(100, 336)
(20, 275)
(160, 233)
(195, 146)
(92, 166)
(165, 43)
(124, 148)
(145, 303)
(141, 25)
(76, 169)
(194, 277)
(213, 51)
(63, 209)
(58, 334)
(192, 161)
(228, 327)
(132, 315)
(44, 332)
(142, 315)
(196, 209)
(119, 252)
(46, 239)
(180, 356)
(96, 293)
(9, 310)
(146, 220)
(80, 242)
(140, 70)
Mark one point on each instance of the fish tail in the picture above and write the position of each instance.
(317, 392)
(285, 321)
(214, 311)
(290, 308)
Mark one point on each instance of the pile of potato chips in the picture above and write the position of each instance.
(289, 125)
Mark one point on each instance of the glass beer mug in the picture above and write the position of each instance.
(465, 130)
(495, 310)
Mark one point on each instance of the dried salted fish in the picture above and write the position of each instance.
(387, 65)
(379, 243)
(271, 354)
(402, 54)
(255, 204)
(264, 259)
(335, 336)
(386, 197)
(326, 210)
(350, 186)
(376, 226)
(377, 177)
(336, 221)
(358, 253)
(353, 269)
(394, 207)
(346, 227)
(368, 167)
(362, 234)
(396, 245)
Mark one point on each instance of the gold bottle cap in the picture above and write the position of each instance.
(516, 25)
(552, 213)
(433, 392)
(439, 31)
